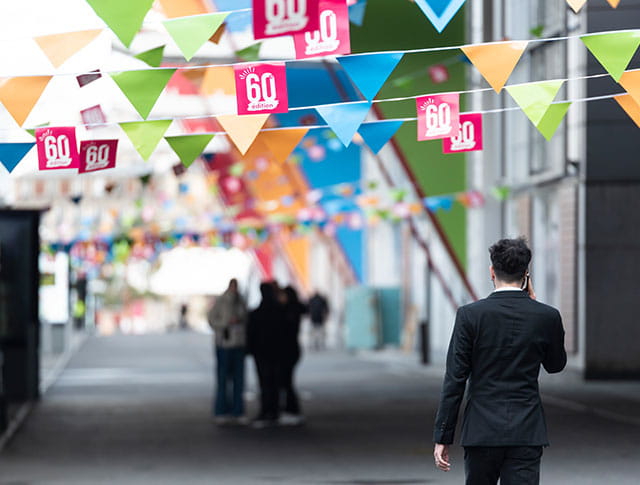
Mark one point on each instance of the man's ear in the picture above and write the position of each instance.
(492, 273)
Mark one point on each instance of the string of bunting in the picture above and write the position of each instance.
(138, 242)
(261, 89)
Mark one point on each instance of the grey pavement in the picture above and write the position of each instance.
(136, 410)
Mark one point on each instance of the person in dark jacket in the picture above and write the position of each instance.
(318, 312)
(498, 345)
(264, 343)
(291, 354)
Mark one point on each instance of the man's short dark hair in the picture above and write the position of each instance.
(510, 259)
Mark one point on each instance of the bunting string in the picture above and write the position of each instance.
(319, 58)
(375, 101)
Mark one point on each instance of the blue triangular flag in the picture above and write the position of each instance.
(440, 12)
(344, 119)
(356, 13)
(370, 71)
(436, 203)
(11, 154)
(377, 134)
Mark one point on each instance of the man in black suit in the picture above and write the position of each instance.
(498, 345)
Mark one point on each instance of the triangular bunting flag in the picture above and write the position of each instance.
(496, 61)
(60, 47)
(250, 54)
(217, 35)
(20, 94)
(145, 135)
(614, 3)
(356, 12)
(632, 108)
(32, 131)
(377, 134)
(440, 12)
(219, 79)
(552, 119)
(576, 5)
(370, 71)
(630, 81)
(344, 119)
(614, 51)
(182, 8)
(500, 193)
(242, 129)
(124, 17)
(535, 98)
(152, 57)
(188, 147)
(282, 142)
(143, 88)
(191, 33)
(11, 154)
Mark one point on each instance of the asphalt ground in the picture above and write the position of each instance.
(137, 410)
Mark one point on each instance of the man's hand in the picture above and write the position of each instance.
(532, 294)
(441, 455)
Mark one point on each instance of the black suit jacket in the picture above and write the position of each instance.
(498, 344)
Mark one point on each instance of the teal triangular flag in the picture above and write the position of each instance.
(344, 119)
(370, 71)
(11, 154)
(440, 12)
(377, 134)
(356, 13)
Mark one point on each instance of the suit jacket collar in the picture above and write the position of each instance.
(509, 294)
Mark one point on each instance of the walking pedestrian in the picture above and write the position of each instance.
(290, 357)
(228, 319)
(499, 343)
(318, 312)
(264, 344)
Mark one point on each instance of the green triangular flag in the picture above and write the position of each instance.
(614, 51)
(152, 57)
(250, 54)
(145, 135)
(190, 33)
(32, 131)
(188, 147)
(535, 98)
(124, 17)
(143, 88)
(552, 119)
(237, 169)
(500, 193)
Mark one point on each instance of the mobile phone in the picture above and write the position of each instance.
(525, 283)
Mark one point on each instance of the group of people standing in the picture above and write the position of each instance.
(270, 334)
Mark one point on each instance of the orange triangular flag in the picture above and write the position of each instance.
(217, 35)
(282, 142)
(614, 3)
(183, 8)
(242, 129)
(20, 94)
(60, 47)
(632, 108)
(630, 81)
(219, 78)
(196, 76)
(495, 61)
(576, 5)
